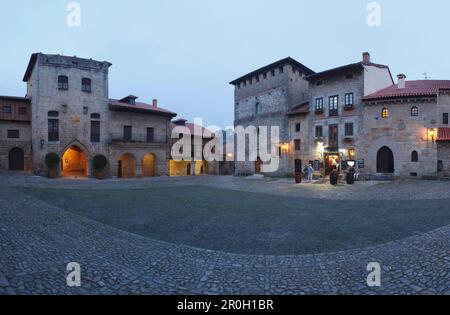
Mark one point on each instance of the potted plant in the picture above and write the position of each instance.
(99, 163)
(52, 161)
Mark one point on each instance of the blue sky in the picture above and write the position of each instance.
(184, 52)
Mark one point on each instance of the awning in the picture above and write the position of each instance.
(443, 134)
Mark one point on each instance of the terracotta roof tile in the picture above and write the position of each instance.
(443, 134)
(412, 89)
(142, 107)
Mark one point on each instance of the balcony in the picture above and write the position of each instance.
(138, 138)
(349, 107)
(318, 111)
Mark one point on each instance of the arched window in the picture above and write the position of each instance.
(385, 113)
(257, 108)
(414, 156)
(414, 111)
(95, 116)
(86, 85)
(63, 83)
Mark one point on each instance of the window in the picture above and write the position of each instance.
(349, 129)
(127, 133)
(53, 130)
(257, 79)
(333, 105)
(272, 73)
(6, 109)
(265, 75)
(298, 127)
(281, 69)
(53, 114)
(445, 118)
(319, 132)
(297, 144)
(150, 135)
(333, 135)
(86, 85)
(385, 113)
(257, 108)
(63, 83)
(349, 99)
(414, 156)
(22, 110)
(414, 111)
(13, 134)
(95, 116)
(95, 131)
(319, 104)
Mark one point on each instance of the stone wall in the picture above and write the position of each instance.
(275, 95)
(403, 134)
(74, 106)
(6, 145)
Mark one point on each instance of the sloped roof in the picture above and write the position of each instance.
(412, 89)
(194, 128)
(276, 64)
(139, 107)
(350, 67)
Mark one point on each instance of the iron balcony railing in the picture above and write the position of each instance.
(138, 138)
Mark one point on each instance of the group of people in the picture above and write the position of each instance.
(310, 171)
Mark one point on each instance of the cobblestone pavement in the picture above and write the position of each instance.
(38, 240)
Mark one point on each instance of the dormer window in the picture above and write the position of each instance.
(130, 99)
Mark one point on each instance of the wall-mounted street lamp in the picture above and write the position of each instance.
(432, 134)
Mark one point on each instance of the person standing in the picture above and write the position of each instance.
(310, 172)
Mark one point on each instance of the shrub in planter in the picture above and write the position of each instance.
(52, 161)
(99, 163)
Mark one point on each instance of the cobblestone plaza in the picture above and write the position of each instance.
(295, 245)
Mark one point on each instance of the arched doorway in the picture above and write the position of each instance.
(258, 165)
(74, 162)
(127, 166)
(201, 167)
(16, 160)
(179, 168)
(385, 161)
(148, 165)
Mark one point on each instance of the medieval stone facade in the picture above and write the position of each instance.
(70, 113)
(339, 121)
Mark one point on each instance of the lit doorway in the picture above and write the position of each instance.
(74, 163)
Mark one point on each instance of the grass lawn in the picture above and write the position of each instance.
(250, 223)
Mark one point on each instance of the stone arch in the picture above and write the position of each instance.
(75, 162)
(149, 165)
(385, 160)
(201, 167)
(127, 166)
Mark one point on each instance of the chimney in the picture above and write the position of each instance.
(401, 81)
(155, 103)
(366, 57)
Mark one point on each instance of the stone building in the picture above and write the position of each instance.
(334, 119)
(15, 133)
(406, 129)
(333, 130)
(67, 110)
(199, 137)
(263, 98)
